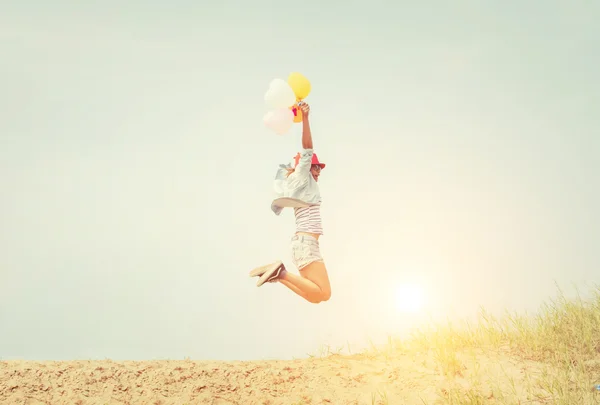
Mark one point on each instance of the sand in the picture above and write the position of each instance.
(358, 379)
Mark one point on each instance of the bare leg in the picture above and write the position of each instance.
(295, 289)
(312, 284)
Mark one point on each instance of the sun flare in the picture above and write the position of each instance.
(409, 298)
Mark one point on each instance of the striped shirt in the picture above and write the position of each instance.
(308, 219)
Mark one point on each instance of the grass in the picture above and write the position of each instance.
(553, 356)
(564, 338)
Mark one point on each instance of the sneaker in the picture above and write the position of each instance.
(271, 275)
(259, 271)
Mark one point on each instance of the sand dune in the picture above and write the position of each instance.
(550, 358)
(360, 379)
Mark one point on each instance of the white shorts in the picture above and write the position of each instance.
(305, 250)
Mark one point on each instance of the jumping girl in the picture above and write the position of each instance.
(300, 183)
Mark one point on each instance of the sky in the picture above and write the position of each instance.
(462, 143)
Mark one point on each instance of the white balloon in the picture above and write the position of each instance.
(280, 94)
(280, 120)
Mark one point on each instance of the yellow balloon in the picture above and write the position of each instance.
(299, 84)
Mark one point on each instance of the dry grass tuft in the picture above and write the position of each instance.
(552, 357)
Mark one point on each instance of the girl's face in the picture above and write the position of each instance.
(315, 170)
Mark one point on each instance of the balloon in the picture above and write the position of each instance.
(299, 84)
(297, 113)
(280, 120)
(280, 94)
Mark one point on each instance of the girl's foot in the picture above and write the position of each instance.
(271, 275)
(259, 271)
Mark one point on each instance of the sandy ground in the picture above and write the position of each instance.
(357, 379)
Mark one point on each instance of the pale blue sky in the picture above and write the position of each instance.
(463, 149)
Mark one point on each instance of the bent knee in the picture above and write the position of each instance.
(321, 297)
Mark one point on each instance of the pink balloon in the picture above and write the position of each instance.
(280, 120)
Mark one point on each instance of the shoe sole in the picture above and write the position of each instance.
(259, 271)
(267, 274)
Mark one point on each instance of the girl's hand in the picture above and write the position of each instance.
(305, 108)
